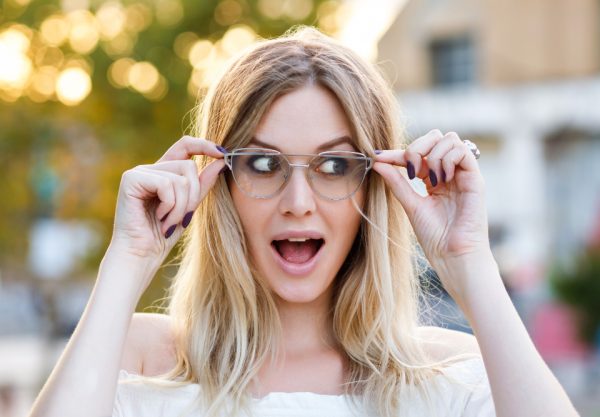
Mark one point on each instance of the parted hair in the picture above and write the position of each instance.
(225, 319)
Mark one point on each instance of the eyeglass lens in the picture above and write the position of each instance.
(332, 176)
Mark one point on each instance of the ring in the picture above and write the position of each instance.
(473, 148)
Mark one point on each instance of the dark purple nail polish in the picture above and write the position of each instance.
(170, 231)
(164, 217)
(187, 219)
(432, 178)
(377, 151)
(411, 170)
(443, 175)
(221, 149)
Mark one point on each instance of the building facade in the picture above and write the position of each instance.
(521, 78)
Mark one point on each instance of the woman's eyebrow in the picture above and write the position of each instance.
(321, 148)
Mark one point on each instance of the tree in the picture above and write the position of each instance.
(92, 88)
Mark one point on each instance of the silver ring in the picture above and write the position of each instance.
(473, 148)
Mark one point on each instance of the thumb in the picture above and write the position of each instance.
(400, 186)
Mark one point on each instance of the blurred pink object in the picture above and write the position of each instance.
(555, 333)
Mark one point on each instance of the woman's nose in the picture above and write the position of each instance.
(297, 197)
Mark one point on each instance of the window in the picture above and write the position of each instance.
(453, 61)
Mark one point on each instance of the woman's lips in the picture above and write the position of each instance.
(297, 269)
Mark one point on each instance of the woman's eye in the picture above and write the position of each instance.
(333, 166)
(264, 164)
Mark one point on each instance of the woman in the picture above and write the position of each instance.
(296, 290)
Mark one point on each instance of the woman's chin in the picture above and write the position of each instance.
(295, 294)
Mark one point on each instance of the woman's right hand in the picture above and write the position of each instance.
(156, 201)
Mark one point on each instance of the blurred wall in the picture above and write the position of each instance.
(517, 41)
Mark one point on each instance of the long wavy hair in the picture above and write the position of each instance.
(225, 319)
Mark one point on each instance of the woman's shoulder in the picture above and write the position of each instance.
(149, 347)
(441, 343)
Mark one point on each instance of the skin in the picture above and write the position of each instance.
(298, 123)
(450, 223)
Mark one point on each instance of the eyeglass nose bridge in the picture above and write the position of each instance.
(299, 165)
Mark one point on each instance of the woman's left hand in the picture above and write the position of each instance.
(450, 223)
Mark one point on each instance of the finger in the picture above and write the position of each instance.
(172, 217)
(400, 186)
(417, 150)
(460, 156)
(392, 156)
(188, 146)
(144, 185)
(189, 170)
(434, 157)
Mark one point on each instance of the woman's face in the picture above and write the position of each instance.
(300, 122)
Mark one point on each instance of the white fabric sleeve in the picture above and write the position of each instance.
(480, 403)
(117, 409)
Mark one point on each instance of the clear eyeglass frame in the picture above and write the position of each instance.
(228, 157)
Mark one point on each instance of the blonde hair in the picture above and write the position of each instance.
(226, 321)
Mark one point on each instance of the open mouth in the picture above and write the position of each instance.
(297, 252)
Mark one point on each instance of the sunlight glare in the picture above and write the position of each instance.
(73, 85)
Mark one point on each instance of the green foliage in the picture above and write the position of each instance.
(66, 162)
(579, 287)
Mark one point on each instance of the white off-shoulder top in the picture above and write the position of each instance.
(472, 399)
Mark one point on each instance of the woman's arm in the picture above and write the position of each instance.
(85, 377)
(83, 383)
(452, 227)
(521, 382)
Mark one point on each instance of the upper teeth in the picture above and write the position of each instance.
(298, 239)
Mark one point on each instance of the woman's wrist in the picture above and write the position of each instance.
(126, 274)
(469, 277)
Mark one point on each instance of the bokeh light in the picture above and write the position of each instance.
(37, 60)
(73, 85)
(294, 10)
(183, 43)
(228, 12)
(143, 76)
(118, 72)
(16, 65)
(202, 54)
(43, 82)
(297, 9)
(237, 38)
(111, 18)
(84, 34)
(168, 12)
(54, 30)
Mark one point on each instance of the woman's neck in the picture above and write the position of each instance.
(307, 327)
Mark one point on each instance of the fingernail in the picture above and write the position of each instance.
(411, 170)
(377, 151)
(443, 175)
(224, 169)
(221, 149)
(187, 219)
(164, 217)
(170, 231)
(432, 178)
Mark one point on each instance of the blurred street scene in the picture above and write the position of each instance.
(89, 89)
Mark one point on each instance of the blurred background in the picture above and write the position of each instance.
(91, 88)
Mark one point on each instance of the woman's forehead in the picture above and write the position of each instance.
(308, 118)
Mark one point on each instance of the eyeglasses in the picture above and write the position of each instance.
(262, 173)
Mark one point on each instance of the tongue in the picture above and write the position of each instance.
(297, 252)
